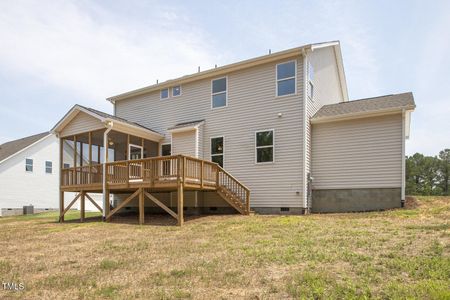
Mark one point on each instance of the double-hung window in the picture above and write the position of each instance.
(164, 93)
(29, 165)
(219, 92)
(176, 91)
(286, 78)
(217, 150)
(48, 167)
(264, 146)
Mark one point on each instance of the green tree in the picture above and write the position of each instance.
(444, 157)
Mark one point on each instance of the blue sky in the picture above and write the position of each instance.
(55, 54)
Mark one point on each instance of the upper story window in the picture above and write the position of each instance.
(264, 146)
(217, 150)
(29, 165)
(286, 78)
(164, 93)
(48, 167)
(176, 91)
(219, 92)
(66, 166)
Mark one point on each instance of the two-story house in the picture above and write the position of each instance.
(277, 129)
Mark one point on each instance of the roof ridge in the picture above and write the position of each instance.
(23, 138)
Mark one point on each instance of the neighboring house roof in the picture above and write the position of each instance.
(241, 65)
(104, 118)
(365, 107)
(186, 125)
(8, 149)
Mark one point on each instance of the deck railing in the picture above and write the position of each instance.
(162, 170)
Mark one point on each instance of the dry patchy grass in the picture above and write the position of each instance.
(401, 253)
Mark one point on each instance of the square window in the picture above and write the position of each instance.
(176, 91)
(164, 93)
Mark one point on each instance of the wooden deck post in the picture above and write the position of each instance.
(107, 207)
(180, 192)
(61, 206)
(180, 203)
(82, 206)
(141, 207)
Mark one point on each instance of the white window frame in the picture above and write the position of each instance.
(51, 168)
(223, 151)
(181, 91)
(160, 94)
(135, 146)
(257, 147)
(66, 165)
(294, 77)
(32, 165)
(226, 92)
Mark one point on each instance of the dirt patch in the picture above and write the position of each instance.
(411, 202)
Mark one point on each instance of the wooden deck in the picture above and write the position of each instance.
(143, 176)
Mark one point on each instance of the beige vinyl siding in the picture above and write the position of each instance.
(360, 153)
(200, 139)
(327, 89)
(252, 106)
(184, 143)
(82, 123)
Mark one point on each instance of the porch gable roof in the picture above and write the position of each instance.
(108, 120)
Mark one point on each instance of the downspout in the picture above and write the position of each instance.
(403, 160)
(109, 126)
(304, 137)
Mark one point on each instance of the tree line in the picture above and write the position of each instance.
(428, 175)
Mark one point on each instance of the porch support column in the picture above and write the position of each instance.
(109, 126)
(61, 192)
(90, 156)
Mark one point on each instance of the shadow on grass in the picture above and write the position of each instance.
(132, 218)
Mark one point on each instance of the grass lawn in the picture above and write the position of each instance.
(402, 253)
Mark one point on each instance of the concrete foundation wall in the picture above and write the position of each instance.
(349, 200)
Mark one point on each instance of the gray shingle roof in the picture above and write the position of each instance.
(9, 148)
(368, 105)
(186, 124)
(106, 115)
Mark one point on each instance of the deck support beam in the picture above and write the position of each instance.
(93, 202)
(121, 205)
(160, 204)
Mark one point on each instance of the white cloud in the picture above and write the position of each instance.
(94, 53)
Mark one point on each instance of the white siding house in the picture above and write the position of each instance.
(29, 174)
